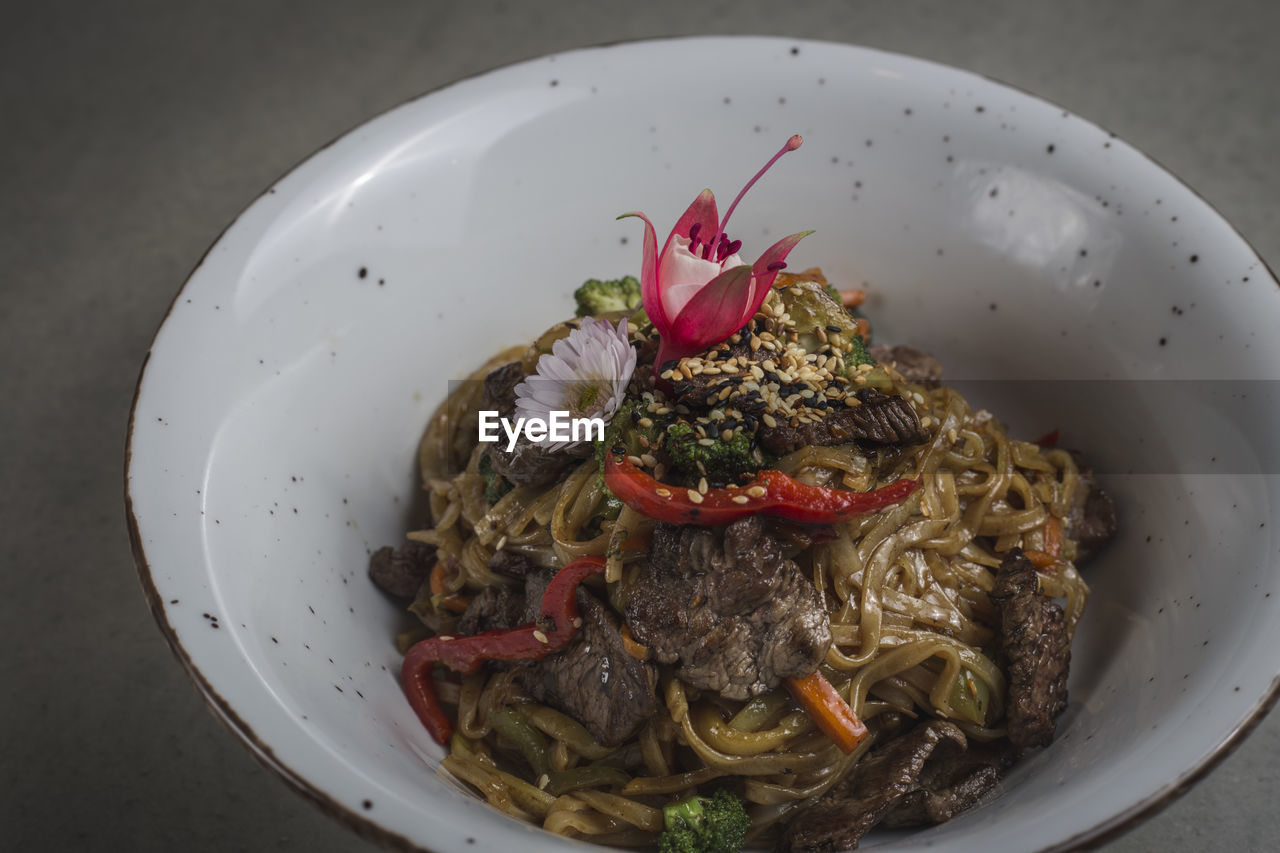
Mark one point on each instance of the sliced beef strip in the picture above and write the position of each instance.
(513, 564)
(527, 463)
(952, 783)
(915, 365)
(500, 388)
(492, 608)
(593, 679)
(880, 419)
(1091, 521)
(726, 606)
(1035, 650)
(401, 571)
(879, 782)
(698, 390)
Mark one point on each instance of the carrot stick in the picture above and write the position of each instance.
(1053, 536)
(441, 596)
(852, 298)
(1051, 555)
(829, 711)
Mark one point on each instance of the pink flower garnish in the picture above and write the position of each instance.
(698, 291)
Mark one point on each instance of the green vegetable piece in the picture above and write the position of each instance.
(722, 461)
(814, 307)
(561, 782)
(495, 485)
(625, 428)
(516, 729)
(598, 297)
(715, 824)
(970, 697)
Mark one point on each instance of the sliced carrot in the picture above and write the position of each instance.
(863, 327)
(1053, 536)
(828, 710)
(1041, 559)
(440, 595)
(637, 650)
(852, 298)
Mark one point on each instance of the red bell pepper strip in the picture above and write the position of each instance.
(771, 492)
(558, 622)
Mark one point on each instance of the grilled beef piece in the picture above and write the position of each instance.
(879, 782)
(500, 388)
(951, 783)
(493, 607)
(402, 571)
(593, 679)
(728, 608)
(1091, 521)
(699, 389)
(527, 463)
(513, 564)
(1035, 650)
(880, 419)
(915, 365)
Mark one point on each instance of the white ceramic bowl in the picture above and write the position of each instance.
(272, 440)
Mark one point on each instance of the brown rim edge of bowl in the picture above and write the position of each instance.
(364, 827)
(1109, 830)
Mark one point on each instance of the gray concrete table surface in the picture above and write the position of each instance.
(131, 133)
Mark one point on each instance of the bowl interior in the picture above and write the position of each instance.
(1065, 281)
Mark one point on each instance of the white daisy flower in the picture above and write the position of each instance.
(585, 374)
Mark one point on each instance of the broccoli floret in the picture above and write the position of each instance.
(626, 428)
(715, 824)
(495, 485)
(600, 297)
(720, 461)
(857, 353)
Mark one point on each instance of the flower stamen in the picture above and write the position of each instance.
(792, 144)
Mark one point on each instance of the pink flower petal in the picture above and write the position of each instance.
(764, 277)
(702, 212)
(713, 313)
(650, 291)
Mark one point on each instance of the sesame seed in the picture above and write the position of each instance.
(694, 496)
(768, 420)
(635, 460)
(662, 493)
(726, 435)
(502, 543)
(757, 491)
(649, 460)
(577, 622)
(645, 422)
(740, 499)
(707, 442)
(539, 636)
(444, 638)
(702, 485)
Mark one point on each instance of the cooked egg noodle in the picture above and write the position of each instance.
(907, 590)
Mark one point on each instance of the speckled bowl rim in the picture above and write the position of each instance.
(367, 828)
